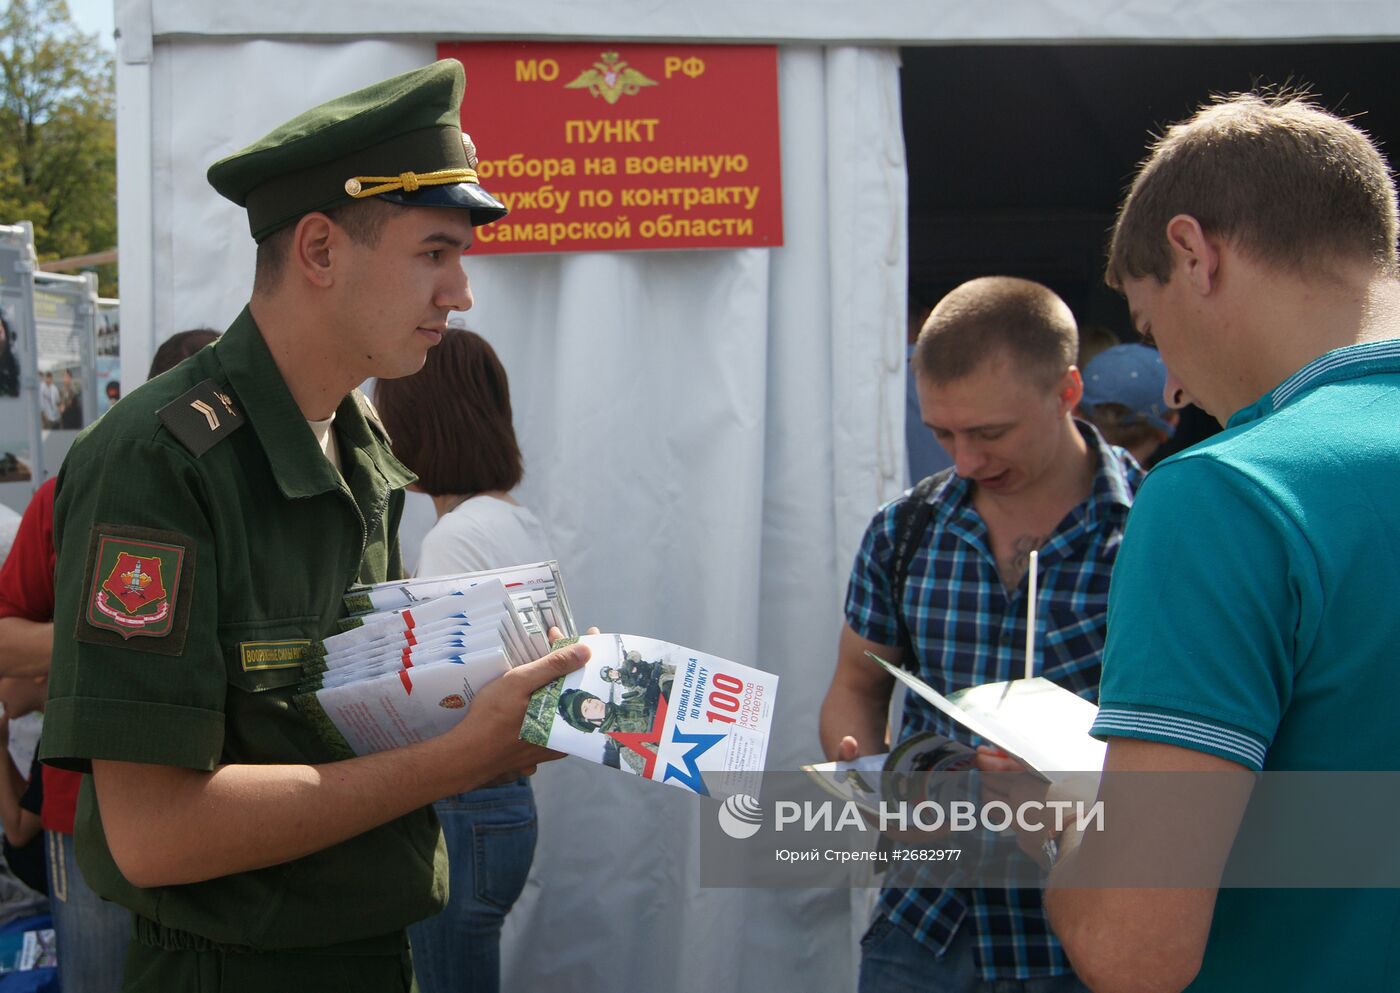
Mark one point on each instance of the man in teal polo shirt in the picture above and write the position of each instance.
(207, 528)
(1251, 620)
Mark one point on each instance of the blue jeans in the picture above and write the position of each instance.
(92, 933)
(490, 844)
(893, 961)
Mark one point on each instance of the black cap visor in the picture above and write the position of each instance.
(464, 196)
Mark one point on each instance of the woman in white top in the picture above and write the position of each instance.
(451, 424)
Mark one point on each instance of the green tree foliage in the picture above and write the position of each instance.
(58, 146)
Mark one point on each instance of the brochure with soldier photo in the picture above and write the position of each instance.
(662, 712)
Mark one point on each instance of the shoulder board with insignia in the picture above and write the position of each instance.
(201, 417)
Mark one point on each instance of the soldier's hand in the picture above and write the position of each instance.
(490, 734)
(555, 633)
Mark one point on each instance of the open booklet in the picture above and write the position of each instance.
(1043, 725)
(409, 669)
(661, 712)
(867, 780)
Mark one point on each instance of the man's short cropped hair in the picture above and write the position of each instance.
(450, 422)
(1288, 182)
(998, 315)
(363, 221)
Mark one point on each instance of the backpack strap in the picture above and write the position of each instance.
(911, 520)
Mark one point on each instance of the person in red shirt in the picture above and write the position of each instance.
(91, 933)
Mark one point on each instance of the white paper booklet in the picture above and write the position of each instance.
(661, 712)
(1040, 723)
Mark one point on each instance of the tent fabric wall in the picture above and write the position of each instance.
(889, 22)
(706, 434)
(741, 493)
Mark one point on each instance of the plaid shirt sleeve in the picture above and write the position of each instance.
(870, 610)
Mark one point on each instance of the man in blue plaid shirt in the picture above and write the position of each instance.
(997, 386)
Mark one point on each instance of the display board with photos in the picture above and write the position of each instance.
(20, 436)
(48, 365)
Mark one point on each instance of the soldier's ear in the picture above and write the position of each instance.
(311, 250)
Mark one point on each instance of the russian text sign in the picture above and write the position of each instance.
(598, 147)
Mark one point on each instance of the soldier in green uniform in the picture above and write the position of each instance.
(207, 527)
(634, 672)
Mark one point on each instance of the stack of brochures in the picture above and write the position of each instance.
(414, 654)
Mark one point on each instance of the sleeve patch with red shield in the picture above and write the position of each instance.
(138, 586)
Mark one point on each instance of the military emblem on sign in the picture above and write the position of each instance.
(132, 586)
(611, 78)
(453, 701)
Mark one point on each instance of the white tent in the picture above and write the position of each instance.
(706, 433)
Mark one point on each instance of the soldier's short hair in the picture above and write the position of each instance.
(997, 315)
(1288, 182)
(363, 222)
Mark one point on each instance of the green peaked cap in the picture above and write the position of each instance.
(387, 135)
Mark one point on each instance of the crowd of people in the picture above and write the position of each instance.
(1225, 610)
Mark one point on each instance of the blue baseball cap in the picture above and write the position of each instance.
(1131, 376)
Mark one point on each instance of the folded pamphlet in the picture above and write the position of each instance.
(662, 712)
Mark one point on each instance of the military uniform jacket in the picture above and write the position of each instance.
(204, 543)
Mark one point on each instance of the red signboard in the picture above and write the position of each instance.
(599, 147)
